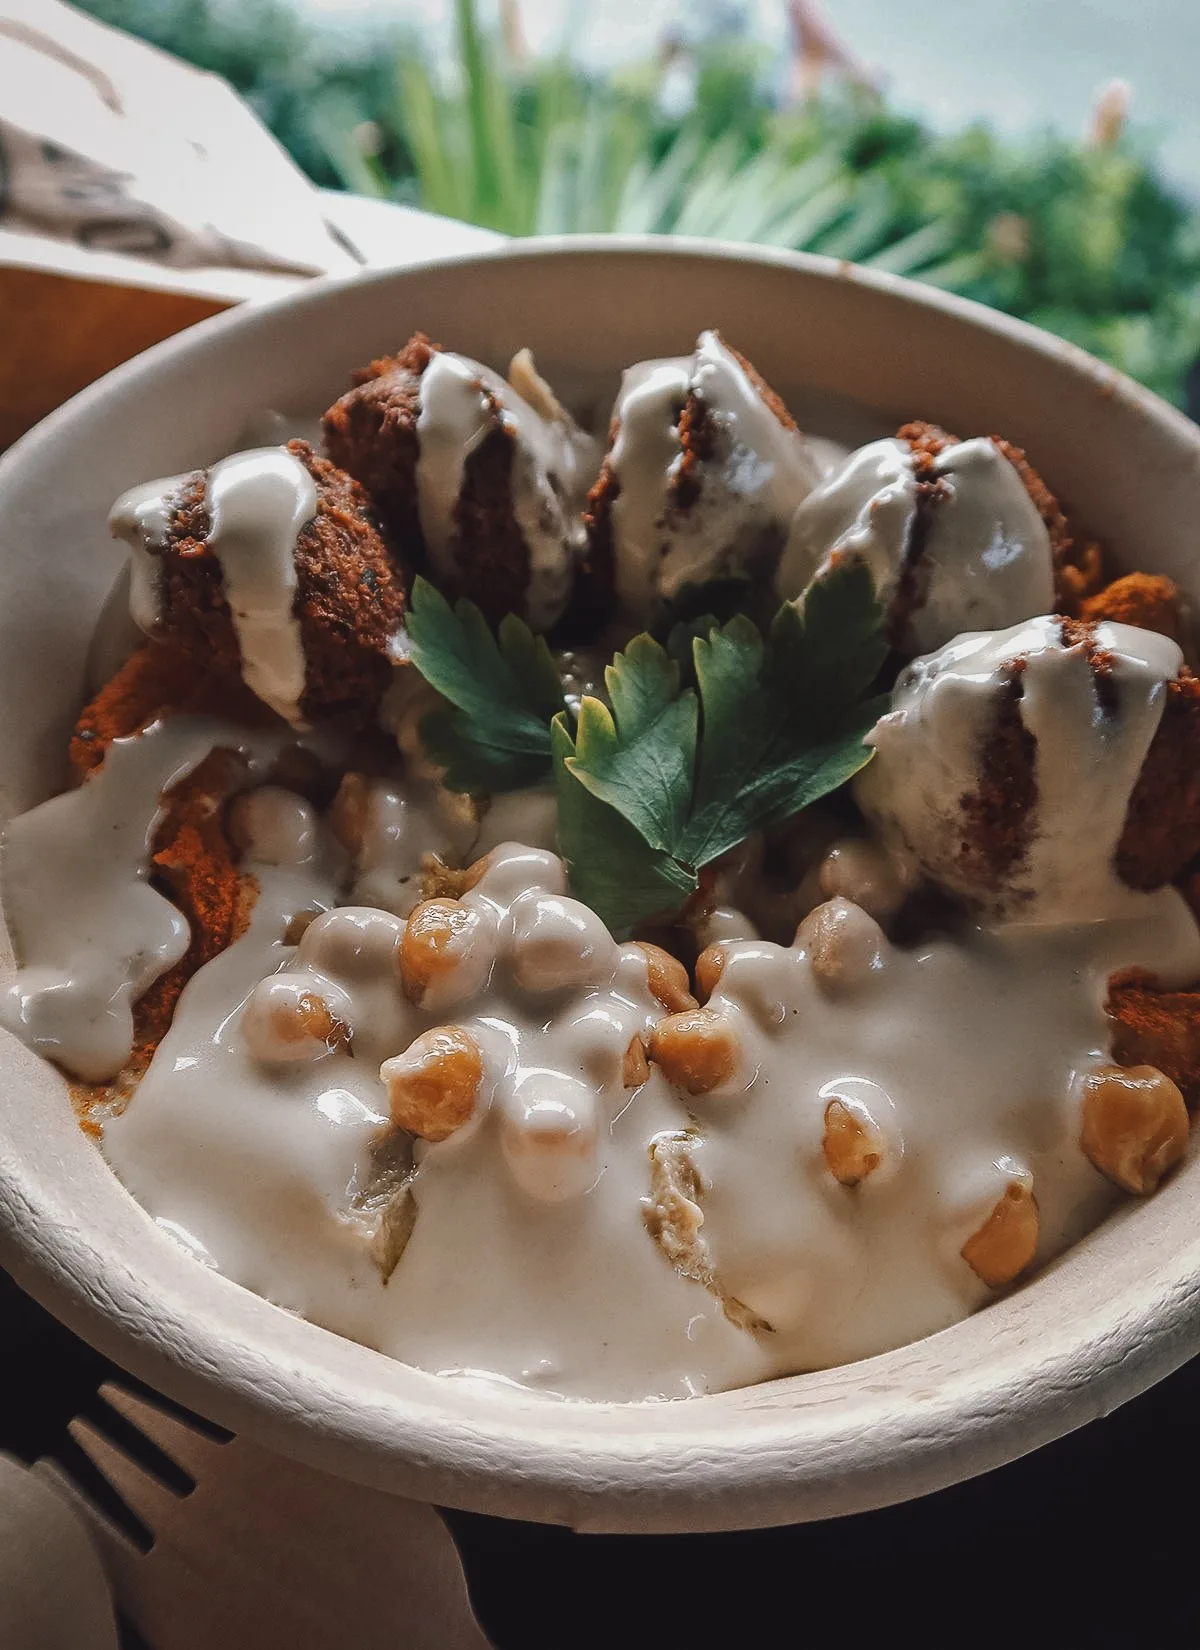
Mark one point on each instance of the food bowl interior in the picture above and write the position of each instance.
(854, 355)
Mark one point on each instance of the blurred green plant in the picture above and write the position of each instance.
(1084, 239)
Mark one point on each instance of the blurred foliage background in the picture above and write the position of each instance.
(712, 139)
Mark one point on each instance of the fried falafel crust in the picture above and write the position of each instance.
(371, 432)
(154, 682)
(1146, 600)
(1162, 825)
(1156, 1027)
(349, 600)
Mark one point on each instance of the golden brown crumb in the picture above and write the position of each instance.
(1144, 599)
(193, 863)
(157, 681)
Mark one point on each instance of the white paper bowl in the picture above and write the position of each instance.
(1115, 1314)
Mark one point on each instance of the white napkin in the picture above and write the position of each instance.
(117, 147)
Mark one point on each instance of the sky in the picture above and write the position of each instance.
(1020, 63)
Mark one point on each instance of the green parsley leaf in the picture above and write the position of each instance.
(783, 724)
(611, 867)
(679, 781)
(638, 756)
(503, 692)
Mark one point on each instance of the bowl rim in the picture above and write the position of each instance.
(556, 1471)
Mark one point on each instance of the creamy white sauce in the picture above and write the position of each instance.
(403, 825)
(553, 464)
(865, 507)
(258, 503)
(967, 1056)
(89, 932)
(749, 489)
(928, 750)
(141, 518)
(985, 560)
(556, 1283)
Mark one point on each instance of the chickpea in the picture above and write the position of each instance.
(444, 952)
(710, 965)
(1135, 1125)
(862, 872)
(273, 826)
(845, 946)
(514, 869)
(353, 942)
(294, 1018)
(1007, 1241)
(696, 1050)
(433, 1087)
(349, 812)
(852, 1144)
(559, 942)
(636, 1067)
(549, 1133)
(667, 978)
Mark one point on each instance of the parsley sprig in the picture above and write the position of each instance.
(721, 733)
(675, 776)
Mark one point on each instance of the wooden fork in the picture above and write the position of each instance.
(213, 1544)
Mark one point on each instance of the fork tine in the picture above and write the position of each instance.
(188, 1447)
(148, 1497)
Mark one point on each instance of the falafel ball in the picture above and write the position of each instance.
(268, 567)
(958, 535)
(478, 481)
(1041, 773)
(704, 470)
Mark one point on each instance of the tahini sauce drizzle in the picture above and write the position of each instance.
(89, 932)
(553, 463)
(760, 472)
(255, 1167)
(967, 1055)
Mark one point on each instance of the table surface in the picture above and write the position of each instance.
(1087, 1541)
